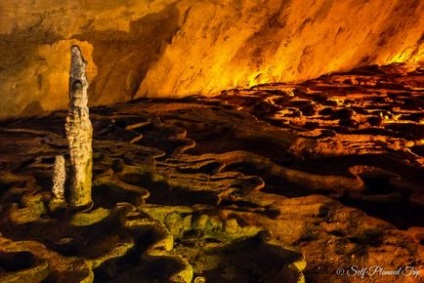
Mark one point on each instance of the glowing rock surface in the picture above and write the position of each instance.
(176, 48)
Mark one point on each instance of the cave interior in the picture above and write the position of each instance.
(257, 141)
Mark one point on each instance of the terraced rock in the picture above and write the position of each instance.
(277, 183)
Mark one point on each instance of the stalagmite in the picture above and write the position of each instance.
(79, 132)
(59, 178)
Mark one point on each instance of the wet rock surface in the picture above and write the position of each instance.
(267, 184)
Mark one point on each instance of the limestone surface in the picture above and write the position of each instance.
(59, 178)
(79, 132)
(169, 48)
(276, 183)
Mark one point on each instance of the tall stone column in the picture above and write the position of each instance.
(79, 132)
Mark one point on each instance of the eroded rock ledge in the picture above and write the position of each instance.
(250, 186)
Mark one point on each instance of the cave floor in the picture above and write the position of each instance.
(276, 183)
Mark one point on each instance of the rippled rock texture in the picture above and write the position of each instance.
(267, 184)
(175, 48)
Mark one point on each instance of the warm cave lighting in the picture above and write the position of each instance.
(211, 141)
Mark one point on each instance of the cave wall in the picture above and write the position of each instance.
(161, 48)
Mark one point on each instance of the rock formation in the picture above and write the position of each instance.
(177, 48)
(271, 184)
(79, 132)
(59, 179)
